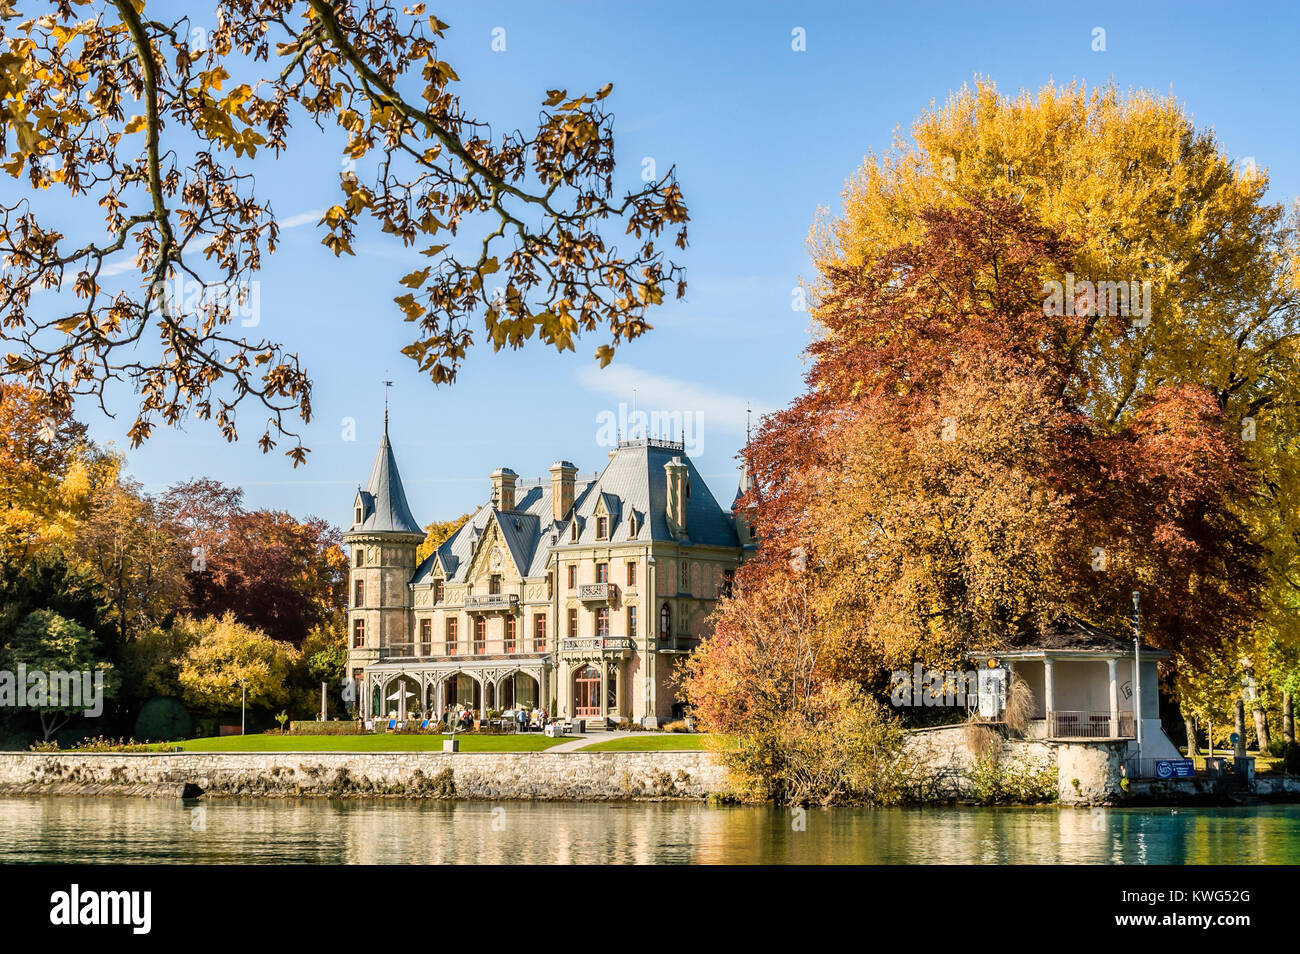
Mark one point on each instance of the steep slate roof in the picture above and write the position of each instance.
(386, 509)
(633, 482)
(635, 476)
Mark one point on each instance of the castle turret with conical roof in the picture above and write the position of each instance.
(383, 540)
(381, 507)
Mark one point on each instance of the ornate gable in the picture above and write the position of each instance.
(492, 555)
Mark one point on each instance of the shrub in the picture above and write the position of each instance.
(336, 727)
(994, 780)
(102, 744)
(844, 748)
(1288, 752)
(162, 719)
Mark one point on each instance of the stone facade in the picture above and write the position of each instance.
(579, 595)
(590, 776)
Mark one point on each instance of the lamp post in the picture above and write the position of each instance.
(243, 702)
(1137, 673)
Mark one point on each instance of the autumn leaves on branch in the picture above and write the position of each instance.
(516, 227)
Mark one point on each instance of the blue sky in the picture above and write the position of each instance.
(761, 136)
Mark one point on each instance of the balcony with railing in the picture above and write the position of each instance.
(682, 641)
(598, 643)
(1086, 724)
(485, 602)
(598, 592)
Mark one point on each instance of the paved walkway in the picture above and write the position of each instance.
(582, 741)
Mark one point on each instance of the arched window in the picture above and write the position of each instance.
(665, 622)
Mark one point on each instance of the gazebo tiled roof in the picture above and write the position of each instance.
(1068, 634)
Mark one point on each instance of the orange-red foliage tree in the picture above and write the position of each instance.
(940, 486)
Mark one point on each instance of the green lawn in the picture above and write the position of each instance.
(650, 742)
(379, 742)
(1264, 764)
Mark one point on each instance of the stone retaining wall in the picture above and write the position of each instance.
(945, 754)
(1075, 773)
(593, 776)
(1084, 774)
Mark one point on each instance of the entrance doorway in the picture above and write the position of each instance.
(586, 692)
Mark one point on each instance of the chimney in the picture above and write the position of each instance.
(678, 489)
(503, 488)
(562, 474)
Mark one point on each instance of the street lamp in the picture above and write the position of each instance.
(243, 701)
(1137, 674)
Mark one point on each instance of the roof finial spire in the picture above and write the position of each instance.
(387, 384)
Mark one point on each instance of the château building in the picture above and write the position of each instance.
(579, 594)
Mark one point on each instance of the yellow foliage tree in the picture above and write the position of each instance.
(49, 472)
(223, 652)
(436, 533)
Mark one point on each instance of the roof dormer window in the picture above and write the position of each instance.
(360, 514)
(573, 532)
(602, 528)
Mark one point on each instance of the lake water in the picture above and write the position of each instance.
(70, 829)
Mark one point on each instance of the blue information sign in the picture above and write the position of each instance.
(1174, 768)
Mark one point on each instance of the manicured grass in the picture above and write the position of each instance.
(649, 742)
(1264, 764)
(379, 742)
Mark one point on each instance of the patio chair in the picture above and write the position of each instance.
(392, 724)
